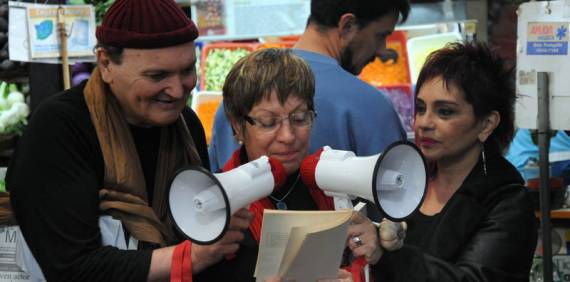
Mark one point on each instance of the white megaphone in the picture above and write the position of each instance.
(395, 180)
(201, 203)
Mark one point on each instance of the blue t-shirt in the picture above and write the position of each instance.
(351, 115)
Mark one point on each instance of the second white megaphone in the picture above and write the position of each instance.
(201, 203)
(396, 180)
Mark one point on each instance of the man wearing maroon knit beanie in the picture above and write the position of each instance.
(89, 179)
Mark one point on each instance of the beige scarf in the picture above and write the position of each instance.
(124, 194)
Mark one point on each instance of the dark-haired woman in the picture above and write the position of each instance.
(477, 222)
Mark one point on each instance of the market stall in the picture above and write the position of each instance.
(232, 29)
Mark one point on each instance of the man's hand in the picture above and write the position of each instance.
(204, 256)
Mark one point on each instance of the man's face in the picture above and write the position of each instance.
(367, 43)
(152, 85)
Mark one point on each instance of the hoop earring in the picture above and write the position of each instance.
(484, 157)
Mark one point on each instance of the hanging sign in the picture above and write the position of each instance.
(34, 34)
(43, 31)
(245, 19)
(543, 37)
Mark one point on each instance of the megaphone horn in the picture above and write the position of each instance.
(201, 203)
(396, 180)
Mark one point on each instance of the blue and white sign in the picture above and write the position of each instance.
(542, 46)
(547, 38)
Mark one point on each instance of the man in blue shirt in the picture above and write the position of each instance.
(341, 38)
(523, 150)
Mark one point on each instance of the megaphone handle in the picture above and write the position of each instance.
(341, 203)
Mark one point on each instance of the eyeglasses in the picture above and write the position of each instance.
(270, 123)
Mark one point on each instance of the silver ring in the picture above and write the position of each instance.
(357, 241)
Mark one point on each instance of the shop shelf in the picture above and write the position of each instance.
(213, 74)
(392, 72)
(557, 214)
(557, 192)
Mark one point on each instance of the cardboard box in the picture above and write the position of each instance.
(9, 271)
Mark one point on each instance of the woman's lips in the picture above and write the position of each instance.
(285, 156)
(428, 142)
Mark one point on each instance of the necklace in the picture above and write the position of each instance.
(279, 202)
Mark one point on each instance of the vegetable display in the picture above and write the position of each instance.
(218, 63)
(101, 7)
(206, 112)
(13, 110)
(391, 72)
(401, 97)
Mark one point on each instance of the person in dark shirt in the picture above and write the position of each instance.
(91, 172)
(477, 221)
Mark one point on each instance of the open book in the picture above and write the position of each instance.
(301, 245)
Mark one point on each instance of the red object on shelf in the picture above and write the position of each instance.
(292, 38)
(381, 74)
(276, 44)
(553, 183)
(219, 45)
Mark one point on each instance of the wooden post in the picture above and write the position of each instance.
(63, 47)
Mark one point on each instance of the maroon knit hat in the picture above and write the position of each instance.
(145, 24)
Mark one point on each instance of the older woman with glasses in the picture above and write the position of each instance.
(268, 98)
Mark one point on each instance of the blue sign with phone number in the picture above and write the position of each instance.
(547, 48)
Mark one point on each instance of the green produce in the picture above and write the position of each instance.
(218, 64)
(101, 7)
(13, 110)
